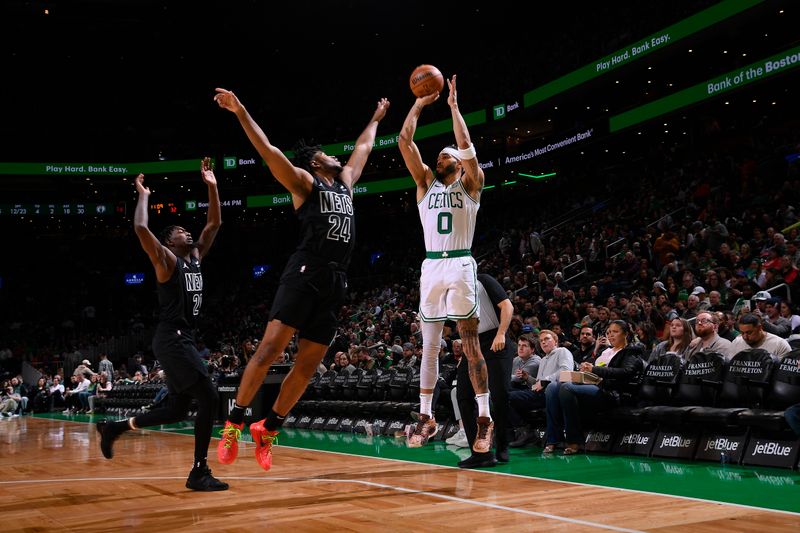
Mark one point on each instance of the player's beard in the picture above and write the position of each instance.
(449, 169)
(335, 167)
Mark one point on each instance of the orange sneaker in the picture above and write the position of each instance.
(228, 447)
(483, 441)
(425, 429)
(264, 440)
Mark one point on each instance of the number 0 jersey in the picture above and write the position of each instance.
(327, 223)
(181, 296)
(448, 216)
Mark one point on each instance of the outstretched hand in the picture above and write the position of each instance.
(207, 171)
(227, 100)
(453, 98)
(428, 100)
(380, 111)
(140, 188)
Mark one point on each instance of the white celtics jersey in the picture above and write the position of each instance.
(448, 217)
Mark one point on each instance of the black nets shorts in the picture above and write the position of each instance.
(309, 297)
(178, 356)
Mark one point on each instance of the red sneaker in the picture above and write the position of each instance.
(264, 440)
(228, 446)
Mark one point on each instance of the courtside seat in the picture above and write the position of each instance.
(784, 391)
(349, 391)
(365, 388)
(398, 386)
(382, 384)
(698, 386)
(743, 386)
(336, 386)
(322, 385)
(656, 388)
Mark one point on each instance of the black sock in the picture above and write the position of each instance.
(273, 421)
(199, 463)
(237, 414)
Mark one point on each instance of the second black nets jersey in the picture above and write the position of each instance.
(327, 223)
(181, 297)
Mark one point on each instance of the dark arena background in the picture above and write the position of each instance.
(641, 164)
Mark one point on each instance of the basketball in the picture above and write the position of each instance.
(425, 80)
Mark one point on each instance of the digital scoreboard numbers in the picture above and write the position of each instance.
(54, 209)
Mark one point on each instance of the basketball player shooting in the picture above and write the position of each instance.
(448, 200)
(313, 283)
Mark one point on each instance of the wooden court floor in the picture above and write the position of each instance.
(55, 478)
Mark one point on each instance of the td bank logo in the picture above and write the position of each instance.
(191, 205)
(228, 162)
(499, 111)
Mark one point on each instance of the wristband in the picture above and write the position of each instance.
(467, 153)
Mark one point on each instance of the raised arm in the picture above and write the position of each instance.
(422, 174)
(473, 173)
(296, 180)
(355, 164)
(214, 219)
(162, 258)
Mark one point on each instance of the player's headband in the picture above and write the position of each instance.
(452, 152)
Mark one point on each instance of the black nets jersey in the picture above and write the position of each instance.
(181, 297)
(327, 223)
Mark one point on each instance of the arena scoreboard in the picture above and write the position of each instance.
(80, 209)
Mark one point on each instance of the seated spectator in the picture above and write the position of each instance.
(677, 339)
(646, 338)
(56, 393)
(341, 363)
(8, 403)
(584, 349)
(532, 397)
(772, 320)
(455, 356)
(618, 365)
(41, 396)
(21, 394)
(83, 397)
(364, 359)
(525, 365)
(409, 359)
(103, 387)
(707, 339)
(71, 401)
(787, 312)
(754, 336)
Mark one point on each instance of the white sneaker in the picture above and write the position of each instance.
(458, 439)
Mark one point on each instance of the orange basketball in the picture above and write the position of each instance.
(425, 80)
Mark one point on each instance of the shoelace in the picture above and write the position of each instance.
(483, 430)
(269, 440)
(231, 434)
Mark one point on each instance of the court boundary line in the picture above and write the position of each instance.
(578, 483)
(396, 488)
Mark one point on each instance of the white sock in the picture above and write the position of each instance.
(425, 401)
(483, 404)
